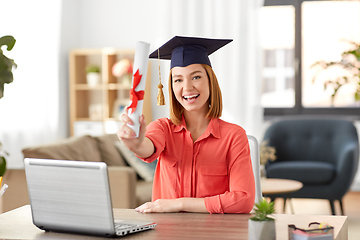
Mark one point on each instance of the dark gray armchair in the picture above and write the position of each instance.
(323, 154)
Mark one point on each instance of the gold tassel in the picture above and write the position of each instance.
(160, 97)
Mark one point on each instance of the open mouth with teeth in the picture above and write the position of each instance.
(191, 97)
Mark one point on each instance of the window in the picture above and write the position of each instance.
(295, 34)
(278, 78)
(277, 40)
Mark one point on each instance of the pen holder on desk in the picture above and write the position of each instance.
(326, 233)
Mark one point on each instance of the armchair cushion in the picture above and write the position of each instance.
(83, 148)
(145, 170)
(108, 152)
(307, 172)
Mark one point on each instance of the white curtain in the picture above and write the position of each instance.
(29, 110)
(237, 65)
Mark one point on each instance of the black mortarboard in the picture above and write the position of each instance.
(184, 51)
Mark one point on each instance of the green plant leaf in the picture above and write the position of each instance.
(6, 76)
(1, 90)
(2, 165)
(9, 41)
(262, 211)
(93, 68)
(348, 63)
(6, 63)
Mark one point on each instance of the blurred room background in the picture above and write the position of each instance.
(265, 73)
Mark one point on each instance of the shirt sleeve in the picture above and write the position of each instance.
(156, 133)
(241, 197)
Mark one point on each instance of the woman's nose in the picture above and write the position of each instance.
(188, 85)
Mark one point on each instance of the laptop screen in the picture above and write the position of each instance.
(70, 195)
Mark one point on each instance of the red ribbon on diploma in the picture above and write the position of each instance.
(136, 96)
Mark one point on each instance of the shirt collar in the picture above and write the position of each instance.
(212, 129)
(182, 126)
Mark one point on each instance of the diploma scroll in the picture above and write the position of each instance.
(137, 90)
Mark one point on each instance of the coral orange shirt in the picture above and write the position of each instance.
(217, 166)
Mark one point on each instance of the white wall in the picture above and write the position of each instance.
(69, 39)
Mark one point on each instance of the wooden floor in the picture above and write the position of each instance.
(351, 204)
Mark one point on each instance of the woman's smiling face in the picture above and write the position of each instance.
(190, 85)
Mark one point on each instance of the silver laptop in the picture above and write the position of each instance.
(74, 196)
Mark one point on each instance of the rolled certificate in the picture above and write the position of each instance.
(137, 90)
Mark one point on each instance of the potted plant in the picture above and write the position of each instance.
(267, 153)
(262, 224)
(6, 76)
(350, 62)
(6, 64)
(2, 160)
(92, 75)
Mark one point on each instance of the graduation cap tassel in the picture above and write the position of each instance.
(160, 97)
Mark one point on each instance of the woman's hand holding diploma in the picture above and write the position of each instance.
(141, 145)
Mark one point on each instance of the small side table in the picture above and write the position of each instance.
(271, 186)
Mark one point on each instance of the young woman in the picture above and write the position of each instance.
(204, 163)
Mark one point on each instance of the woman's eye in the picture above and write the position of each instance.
(177, 80)
(196, 77)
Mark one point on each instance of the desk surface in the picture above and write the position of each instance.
(275, 186)
(17, 224)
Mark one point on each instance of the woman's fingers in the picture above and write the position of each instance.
(127, 135)
(125, 118)
(160, 205)
(125, 131)
(146, 207)
(142, 125)
(142, 120)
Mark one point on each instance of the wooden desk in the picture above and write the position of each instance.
(17, 224)
(276, 186)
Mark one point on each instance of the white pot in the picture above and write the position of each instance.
(261, 230)
(93, 78)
